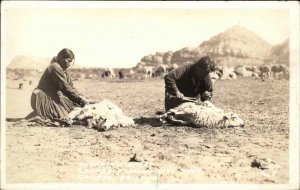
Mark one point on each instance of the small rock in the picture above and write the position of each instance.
(135, 158)
(207, 146)
(263, 163)
(108, 136)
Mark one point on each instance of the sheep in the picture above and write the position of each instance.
(277, 69)
(148, 70)
(108, 73)
(125, 73)
(242, 71)
(265, 71)
(226, 73)
(255, 75)
(161, 70)
(102, 116)
(203, 114)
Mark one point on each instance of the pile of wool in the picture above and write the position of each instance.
(102, 116)
(203, 114)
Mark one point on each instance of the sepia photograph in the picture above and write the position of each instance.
(150, 95)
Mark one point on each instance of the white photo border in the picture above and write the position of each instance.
(294, 104)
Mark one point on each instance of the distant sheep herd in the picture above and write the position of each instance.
(265, 71)
(262, 71)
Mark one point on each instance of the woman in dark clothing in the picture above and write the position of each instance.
(55, 95)
(189, 80)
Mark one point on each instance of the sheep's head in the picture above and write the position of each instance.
(206, 103)
(232, 120)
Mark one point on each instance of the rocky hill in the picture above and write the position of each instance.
(33, 63)
(280, 53)
(235, 46)
(29, 66)
(236, 42)
(27, 62)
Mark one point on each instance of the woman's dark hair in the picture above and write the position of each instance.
(63, 54)
(206, 63)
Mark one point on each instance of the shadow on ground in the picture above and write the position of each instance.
(152, 121)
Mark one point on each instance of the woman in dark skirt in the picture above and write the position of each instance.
(190, 80)
(55, 95)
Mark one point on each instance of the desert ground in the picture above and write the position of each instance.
(149, 153)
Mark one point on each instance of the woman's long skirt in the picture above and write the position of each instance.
(47, 108)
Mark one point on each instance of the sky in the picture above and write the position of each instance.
(119, 35)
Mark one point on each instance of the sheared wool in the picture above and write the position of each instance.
(102, 116)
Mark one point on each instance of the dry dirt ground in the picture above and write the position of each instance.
(164, 154)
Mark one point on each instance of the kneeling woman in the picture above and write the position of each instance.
(190, 80)
(55, 95)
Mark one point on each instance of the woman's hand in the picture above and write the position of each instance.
(179, 95)
(88, 101)
(206, 96)
(82, 103)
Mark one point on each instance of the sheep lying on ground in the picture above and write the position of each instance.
(203, 114)
(102, 116)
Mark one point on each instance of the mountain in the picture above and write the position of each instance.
(236, 42)
(280, 53)
(27, 62)
(33, 63)
(234, 46)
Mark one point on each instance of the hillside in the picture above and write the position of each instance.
(280, 53)
(235, 46)
(236, 42)
(27, 62)
(33, 63)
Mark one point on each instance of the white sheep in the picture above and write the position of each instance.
(102, 116)
(202, 114)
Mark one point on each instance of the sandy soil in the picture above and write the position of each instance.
(164, 154)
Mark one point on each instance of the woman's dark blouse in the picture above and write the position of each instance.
(55, 79)
(183, 80)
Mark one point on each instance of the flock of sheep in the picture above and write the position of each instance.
(144, 70)
(263, 71)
